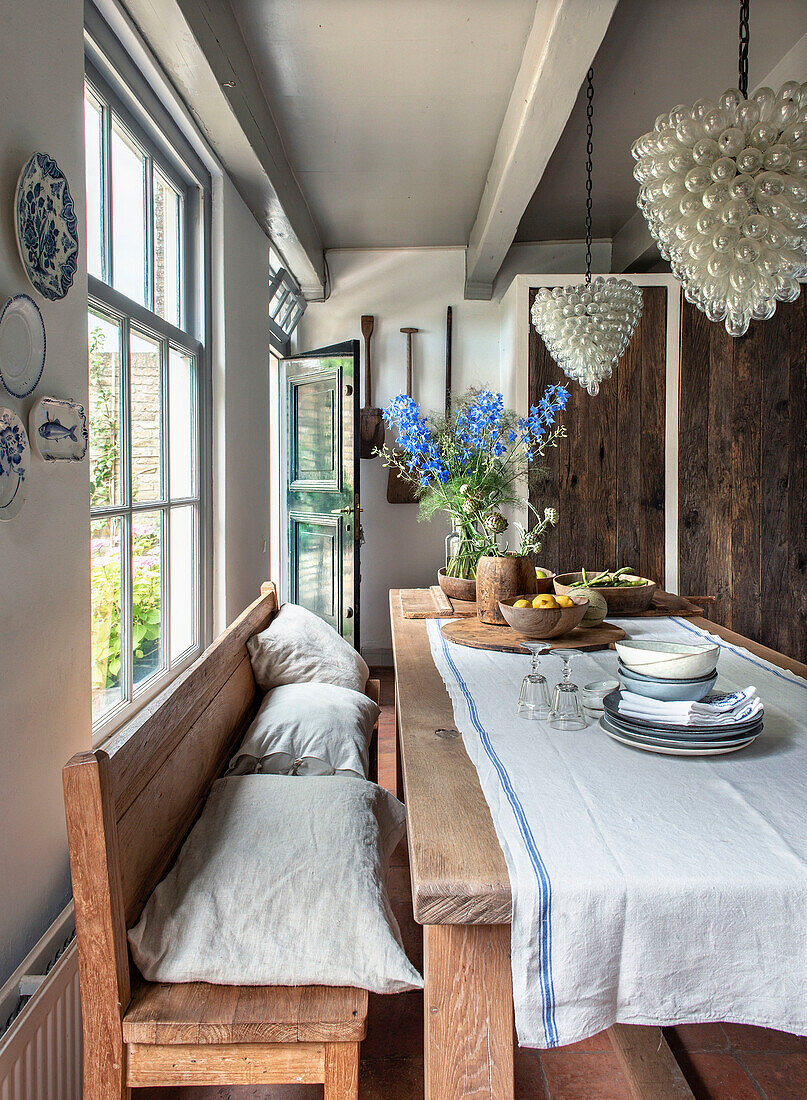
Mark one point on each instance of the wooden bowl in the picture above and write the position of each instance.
(539, 622)
(457, 588)
(544, 584)
(621, 601)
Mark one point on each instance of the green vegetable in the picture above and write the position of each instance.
(608, 579)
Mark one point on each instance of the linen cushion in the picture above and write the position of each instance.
(298, 647)
(308, 729)
(282, 881)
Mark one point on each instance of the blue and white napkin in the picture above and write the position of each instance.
(719, 709)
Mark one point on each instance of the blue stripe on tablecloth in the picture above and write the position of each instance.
(541, 875)
(766, 667)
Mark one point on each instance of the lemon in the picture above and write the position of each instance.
(541, 574)
(565, 601)
(544, 602)
(521, 603)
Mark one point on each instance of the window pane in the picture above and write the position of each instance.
(94, 160)
(147, 595)
(182, 424)
(167, 237)
(105, 405)
(105, 588)
(146, 417)
(128, 217)
(183, 579)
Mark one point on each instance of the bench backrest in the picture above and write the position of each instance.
(130, 804)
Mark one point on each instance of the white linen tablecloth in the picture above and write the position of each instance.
(647, 889)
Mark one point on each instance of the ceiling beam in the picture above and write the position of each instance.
(200, 46)
(562, 43)
(633, 248)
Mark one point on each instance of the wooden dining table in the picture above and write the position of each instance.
(461, 894)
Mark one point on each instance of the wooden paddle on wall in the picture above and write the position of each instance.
(371, 422)
(400, 491)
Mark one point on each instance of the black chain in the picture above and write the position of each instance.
(745, 37)
(589, 151)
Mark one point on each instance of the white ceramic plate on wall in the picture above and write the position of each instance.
(22, 345)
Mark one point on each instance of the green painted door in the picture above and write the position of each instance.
(320, 456)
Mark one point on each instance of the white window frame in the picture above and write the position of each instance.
(114, 79)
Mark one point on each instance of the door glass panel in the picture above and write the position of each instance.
(105, 603)
(181, 424)
(105, 405)
(146, 417)
(94, 163)
(128, 216)
(315, 443)
(315, 563)
(167, 237)
(147, 602)
(183, 579)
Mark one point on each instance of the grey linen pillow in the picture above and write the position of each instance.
(308, 729)
(281, 881)
(298, 647)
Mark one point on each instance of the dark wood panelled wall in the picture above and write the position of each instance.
(743, 473)
(607, 477)
(742, 467)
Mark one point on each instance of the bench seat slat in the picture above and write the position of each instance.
(197, 1012)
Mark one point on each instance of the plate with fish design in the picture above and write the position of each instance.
(15, 459)
(58, 429)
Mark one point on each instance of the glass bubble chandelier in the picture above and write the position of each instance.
(723, 187)
(587, 327)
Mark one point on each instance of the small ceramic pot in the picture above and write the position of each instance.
(457, 588)
(502, 578)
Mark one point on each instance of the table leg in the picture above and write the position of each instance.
(468, 1010)
(648, 1063)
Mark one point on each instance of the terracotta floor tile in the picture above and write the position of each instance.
(779, 1076)
(529, 1077)
(697, 1037)
(390, 1079)
(713, 1076)
(744, 1037)
(573, 1075)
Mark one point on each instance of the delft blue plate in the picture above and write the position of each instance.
(46, 226)
(15, 458)
(22, 345)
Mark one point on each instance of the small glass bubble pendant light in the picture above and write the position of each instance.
(587, 327)
(723, 188)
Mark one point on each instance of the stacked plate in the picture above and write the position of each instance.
(677, 738)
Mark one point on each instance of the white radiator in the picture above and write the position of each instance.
(40, 1051)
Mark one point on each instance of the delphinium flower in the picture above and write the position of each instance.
(469, 464)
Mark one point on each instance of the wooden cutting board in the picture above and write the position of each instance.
(433, 603)
(503, 639)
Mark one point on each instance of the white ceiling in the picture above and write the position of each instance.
(656, 54)
(389, 110)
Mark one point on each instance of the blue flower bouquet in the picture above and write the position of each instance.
(469, 463)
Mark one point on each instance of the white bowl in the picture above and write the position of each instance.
(669, 660)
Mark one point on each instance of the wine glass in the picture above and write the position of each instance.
(533, 702)
(566, 712)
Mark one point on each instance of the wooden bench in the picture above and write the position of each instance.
(129, 807)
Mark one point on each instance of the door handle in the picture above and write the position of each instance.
(342, 511)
